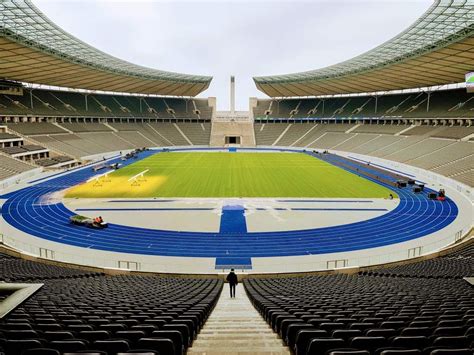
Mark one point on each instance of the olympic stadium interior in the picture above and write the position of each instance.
(320, 274)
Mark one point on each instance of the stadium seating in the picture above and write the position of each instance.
(197, 133)
(445, 104)
(85, 127)
(150, 135)
(444, 149)
(422, 306)
(171, 133)
(96, 138)
(19, 270)
(6, 136)
(457, 264)
(66, 143)
(52, 161)
(380, 128)
(295, 132)
(454, 132)
(30, 129)
(418, 308)
(78, 310)
(330, 140)
(268, 134)
(10, 167)
(52, 103)
(428, 147)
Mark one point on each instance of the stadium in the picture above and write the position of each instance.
(343, 199)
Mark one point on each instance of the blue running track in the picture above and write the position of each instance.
(414, 217)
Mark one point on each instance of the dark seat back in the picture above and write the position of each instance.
(162, 346)
(319, 346)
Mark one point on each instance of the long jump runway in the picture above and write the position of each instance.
(28, 210)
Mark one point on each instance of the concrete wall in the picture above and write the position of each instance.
(244, 130)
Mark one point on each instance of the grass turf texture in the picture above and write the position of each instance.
(222, 174)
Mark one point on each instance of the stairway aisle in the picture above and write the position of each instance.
(236, 328)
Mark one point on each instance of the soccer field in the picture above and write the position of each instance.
(223, 174)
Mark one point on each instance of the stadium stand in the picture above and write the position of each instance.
(48, 162)
(268, 134)
(32, 150)
(150, 135)
(80, 139)
(293, 133)
(421, 307)
(78, 310)
(379, 128)
(36, 128)
(67, 143)
(330, 140)
(104, 142)
(443, 149)
(442, 104)
(448, 267)
(50, 103)
(85, 127)
(7, 138)
(436, 148)
(13, 150)
(18, 270)
(171, 132)
(10, 167)
(197, 133)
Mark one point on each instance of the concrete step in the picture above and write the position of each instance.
(237, 335)
(233, 326)
(236, 328)
(240, 351)
(240, 343)
(241, 333)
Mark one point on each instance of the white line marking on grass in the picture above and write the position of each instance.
(136, 179)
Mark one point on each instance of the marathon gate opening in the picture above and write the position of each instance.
(232, 140)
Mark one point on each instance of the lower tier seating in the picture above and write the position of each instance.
(376, 315)
(53, 160)
(450, 267)
(429, 147)
(10, 167)
(418, 308)
(128, 136)
(19, 270)
(110, 315)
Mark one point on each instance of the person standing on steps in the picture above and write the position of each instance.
(233, 281)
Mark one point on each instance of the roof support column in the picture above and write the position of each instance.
(31, 99)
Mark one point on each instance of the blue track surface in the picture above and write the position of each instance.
(414, 217)
(233, 220)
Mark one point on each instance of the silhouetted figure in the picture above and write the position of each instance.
(233, 281)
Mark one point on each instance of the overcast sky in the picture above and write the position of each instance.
(240, 37)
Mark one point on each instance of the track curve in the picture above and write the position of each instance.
(414, 217)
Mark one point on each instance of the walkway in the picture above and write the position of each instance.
(236, 328)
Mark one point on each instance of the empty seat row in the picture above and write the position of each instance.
(319, 314)
(111, 314)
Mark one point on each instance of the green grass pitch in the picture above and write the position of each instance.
(223, 174)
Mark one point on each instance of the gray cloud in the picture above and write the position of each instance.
(243, 38)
